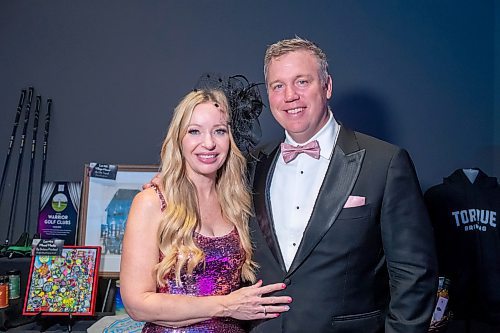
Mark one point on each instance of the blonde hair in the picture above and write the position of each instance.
(181, 216)
(297, 44)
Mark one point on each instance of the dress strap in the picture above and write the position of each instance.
(160, 195)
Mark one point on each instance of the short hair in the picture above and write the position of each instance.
(285, 46)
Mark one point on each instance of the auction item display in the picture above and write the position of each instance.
(107, 194)
(59, 205)
(24, 201)
(63, 284)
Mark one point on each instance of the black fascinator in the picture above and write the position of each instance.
(245, 103)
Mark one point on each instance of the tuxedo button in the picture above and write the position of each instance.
(287, 281)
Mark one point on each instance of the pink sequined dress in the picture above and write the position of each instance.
(219, 275)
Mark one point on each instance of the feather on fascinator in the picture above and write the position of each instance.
(245, 103)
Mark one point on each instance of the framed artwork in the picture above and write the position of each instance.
(104, 210)
(65, 284)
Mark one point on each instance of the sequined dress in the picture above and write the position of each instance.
(219, 275)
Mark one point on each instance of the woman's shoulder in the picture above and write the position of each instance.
(146, 207)
(149, 199)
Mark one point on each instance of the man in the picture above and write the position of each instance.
(342, 224)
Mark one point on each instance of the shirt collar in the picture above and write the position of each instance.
(326, 136)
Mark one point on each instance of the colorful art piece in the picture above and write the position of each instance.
(64, 285)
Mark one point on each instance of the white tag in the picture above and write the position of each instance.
(440, 308)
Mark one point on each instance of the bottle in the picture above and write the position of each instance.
(4, 292)
(442, 301)
(14, 284)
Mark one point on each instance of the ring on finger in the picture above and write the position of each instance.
(265, 311)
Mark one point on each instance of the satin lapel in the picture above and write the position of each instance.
(336, 188)
(262, 204)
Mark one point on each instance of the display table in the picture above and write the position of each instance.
(56, 324)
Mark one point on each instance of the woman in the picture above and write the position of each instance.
(188, 237)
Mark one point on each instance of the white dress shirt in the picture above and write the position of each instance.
(295, 187)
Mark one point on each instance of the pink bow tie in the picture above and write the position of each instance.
(290, 152)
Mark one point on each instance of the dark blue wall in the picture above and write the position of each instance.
(420, 74)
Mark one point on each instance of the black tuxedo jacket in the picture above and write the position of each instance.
(364, 269)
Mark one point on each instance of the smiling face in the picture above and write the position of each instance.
(297, 97)
(205, 145)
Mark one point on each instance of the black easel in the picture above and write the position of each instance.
(70, 322)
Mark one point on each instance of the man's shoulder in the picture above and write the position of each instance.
(353, 140)
(369, 140)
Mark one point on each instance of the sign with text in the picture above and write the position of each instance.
(49, 247)
(58, 217)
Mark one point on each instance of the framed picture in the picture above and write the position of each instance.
(65, 284)
(104, 209)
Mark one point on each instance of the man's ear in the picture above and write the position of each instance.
(329, 87)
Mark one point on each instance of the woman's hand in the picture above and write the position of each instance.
(247, 303)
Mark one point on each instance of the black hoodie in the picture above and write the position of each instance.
(466, 220)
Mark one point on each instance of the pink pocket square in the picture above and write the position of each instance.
(354, 201)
